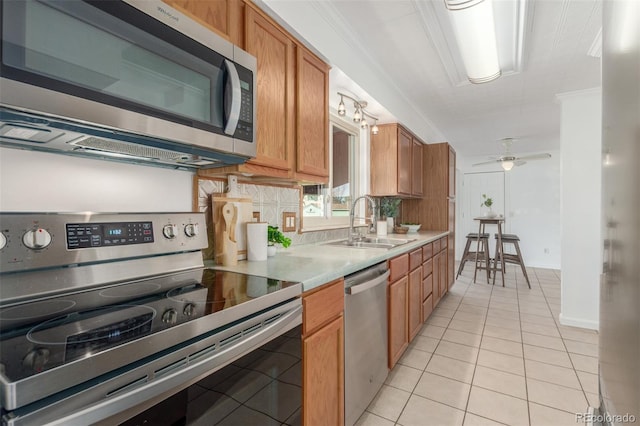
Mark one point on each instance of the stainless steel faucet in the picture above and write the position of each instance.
(372, 204)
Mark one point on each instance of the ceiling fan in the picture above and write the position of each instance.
(508, 160)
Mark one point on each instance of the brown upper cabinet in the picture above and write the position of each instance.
(312, 112)
(225, 17)
(396, 162)
(436, 209)
(292, 129)
(275, 53)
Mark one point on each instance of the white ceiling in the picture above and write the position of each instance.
(400, 57)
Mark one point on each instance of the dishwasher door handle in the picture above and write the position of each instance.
(359, 288)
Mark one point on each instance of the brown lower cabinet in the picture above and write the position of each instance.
(414, 314)
(397, 302)
(417, 282)
(427, 280)
(323, 355)
(443, 276)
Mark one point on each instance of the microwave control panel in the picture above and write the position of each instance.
(244, 130)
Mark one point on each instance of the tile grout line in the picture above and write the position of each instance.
(466, 408)
(524, 362)
(424, 369)
(584, 392)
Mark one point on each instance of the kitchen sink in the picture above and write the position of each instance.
(372, 242)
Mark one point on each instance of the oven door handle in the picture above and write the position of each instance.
(167, 381)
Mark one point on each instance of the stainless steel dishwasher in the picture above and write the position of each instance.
(365, 338)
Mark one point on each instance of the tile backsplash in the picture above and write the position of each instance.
(270, 201)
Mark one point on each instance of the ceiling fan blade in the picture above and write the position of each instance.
(519, 163)
(535, 157)
(488, 162)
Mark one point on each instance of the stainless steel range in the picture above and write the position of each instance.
(105, 315)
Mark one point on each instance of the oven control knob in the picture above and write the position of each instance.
(3, 241)
(36, 359)
(169, 231)
(36, 239)
(191, 229)
(189, 309)
(170, 316)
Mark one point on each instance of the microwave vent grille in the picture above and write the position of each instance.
(123, 148)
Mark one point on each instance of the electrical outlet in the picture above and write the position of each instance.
(288, 221)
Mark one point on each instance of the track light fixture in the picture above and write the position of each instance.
(359, 115)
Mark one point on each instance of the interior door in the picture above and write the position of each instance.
(474, 185)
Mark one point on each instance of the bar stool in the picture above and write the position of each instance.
(481, 250)
(510, 258)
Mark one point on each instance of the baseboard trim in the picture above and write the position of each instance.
(579, 322)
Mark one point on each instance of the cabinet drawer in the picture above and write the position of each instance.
(427, 251)
(399, 267)
(427, 308)
(322, 305)
(415, 259)
(427, 268)
(427, 286)
(443, 243)
(436, 246)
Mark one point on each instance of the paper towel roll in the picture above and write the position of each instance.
(381, 228)
(256, 241)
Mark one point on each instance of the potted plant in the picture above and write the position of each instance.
(274, 236)
(488, 202)
(389, 207)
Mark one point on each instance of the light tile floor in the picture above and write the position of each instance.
(492, 355)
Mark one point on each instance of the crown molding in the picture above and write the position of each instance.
(330, 14)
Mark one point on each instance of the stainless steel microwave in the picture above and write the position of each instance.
(132, 80)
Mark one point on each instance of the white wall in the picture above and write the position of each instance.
(532, 207)
(43, 182)
(581, 163)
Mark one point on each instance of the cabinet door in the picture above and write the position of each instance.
(436, 279)
(405, 142)
(427, 285)
(427, 307)
(398, 327)
(443, 276)
(415, 302)
(274, 51)
(323, 375)
(452, 172)
(222, 16)
(451, 247)
(312, 104)
(384, 161)
(416, 168)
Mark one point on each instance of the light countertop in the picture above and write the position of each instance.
(317, 264)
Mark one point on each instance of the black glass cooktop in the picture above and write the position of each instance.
(46, 334)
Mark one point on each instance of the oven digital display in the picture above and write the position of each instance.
(92, 235)
(115, 231)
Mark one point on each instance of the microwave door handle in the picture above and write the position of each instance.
(233, 90)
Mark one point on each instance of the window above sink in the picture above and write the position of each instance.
(327, 206)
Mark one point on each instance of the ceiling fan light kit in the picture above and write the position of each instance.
(474, 30)
(508, 160)
(507, 165)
